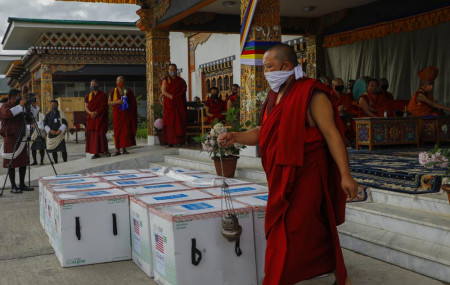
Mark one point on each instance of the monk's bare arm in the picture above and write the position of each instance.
(164, 90)
(422, 98)
(207, 112)
(323, 117)
(250, 137)
(363, 105)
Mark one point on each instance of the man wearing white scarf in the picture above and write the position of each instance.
(55, 123)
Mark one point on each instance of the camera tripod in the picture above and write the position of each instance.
(26, 116)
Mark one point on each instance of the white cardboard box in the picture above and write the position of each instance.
(176, 169)
(238, 190)
(143, 181)
(42, 188)
(141, 236)
(258, 203)
(156, 188)
(92, 227)
(188, 247)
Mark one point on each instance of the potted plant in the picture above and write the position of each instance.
(229, 155)
(157, 109)
(440, 158)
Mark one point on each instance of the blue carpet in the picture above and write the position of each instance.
(395, 170)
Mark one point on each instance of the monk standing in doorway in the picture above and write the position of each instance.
(175, 114)
(304, 156)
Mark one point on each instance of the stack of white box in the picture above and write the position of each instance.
(91, 227)
(141, 235)
(188, 246)
(258, 203)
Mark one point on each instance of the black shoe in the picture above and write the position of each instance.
(107, 154)
(116, 153)
(16, 190)
(95, 156)
(26, 188)
(34, 163)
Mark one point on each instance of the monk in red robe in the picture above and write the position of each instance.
(232, 99)
(125, 119)
(305, 160)
(14, 155)
(422, 103)
(96, 105)
(175, 108)
(346, 109)
(214, 106)
(373, 103)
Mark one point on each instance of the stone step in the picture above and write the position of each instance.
(420, 256)
(207, 164)
(416, 224)
(196, 154)
(436, 203)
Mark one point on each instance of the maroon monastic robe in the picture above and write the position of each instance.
(11, 126)
(175, 114)
(124, 122)
(216, 108)
(306, 202)
(96, 128)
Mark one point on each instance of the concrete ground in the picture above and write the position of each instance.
(26, 256)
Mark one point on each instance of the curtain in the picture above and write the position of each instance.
(399, 58)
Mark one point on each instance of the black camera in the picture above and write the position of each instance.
(31, 98)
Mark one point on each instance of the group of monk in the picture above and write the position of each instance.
(124, 105)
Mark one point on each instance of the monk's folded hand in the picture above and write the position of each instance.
(226, 139)
(349, 186)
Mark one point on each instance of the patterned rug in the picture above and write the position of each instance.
(395, 170)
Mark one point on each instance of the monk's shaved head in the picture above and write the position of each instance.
(284, 53)
(120, 78)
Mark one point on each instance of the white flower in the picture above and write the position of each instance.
(238, 145)
(423, 158)
(205, 147)
(212, 142)
(212, 133)
(220, 129)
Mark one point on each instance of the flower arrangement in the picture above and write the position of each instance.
(438, 157)
(232, 124)
(157, 109)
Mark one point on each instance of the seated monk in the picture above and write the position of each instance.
(214, 106)
(422, 103)
(374, 104)
(345, 108)
(232, 99)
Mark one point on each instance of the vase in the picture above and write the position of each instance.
(446, 188)
(229, 165)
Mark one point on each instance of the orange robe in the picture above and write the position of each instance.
(124, 122)
(175, 112)
(419, 109)
(380, 102)
(96, 128)
(347, 115)
(306, 202)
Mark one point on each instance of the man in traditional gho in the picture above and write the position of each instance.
(125, 118)
(422, 103)
(37, 142)
(175, 108)
(55, 124)
(96, 106)
(305, 159)
(12, 122)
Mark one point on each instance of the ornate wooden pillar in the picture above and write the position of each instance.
(36, 88)
(264, 32)
(315, 54)
(157, 62)
(46, 88)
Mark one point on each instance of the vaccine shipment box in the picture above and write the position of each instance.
(162, 169)
(141, 236)
(114, 172)
(128, 176)
(258, 203)
(41, 191)
(238, 190)
(92, 227)
(156, 188)
(188, 247)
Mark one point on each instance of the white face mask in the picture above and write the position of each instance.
(173, 74)
(279, 77)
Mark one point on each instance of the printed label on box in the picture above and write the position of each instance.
(97, 193)
(243, 189)
(171, 197)
(80, 186)
(197, 206)
(262, 197)
(111, 172)
(128, 176)
(158, 186)
(70, 181)
(126, 182)
(159, 245)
